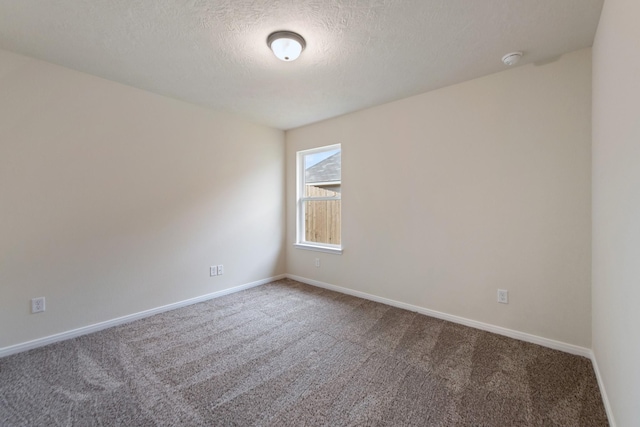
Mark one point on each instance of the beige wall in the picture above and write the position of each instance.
(114, 200)
(616, 207)
(452, 194)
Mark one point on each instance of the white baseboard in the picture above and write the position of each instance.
(545, 342)
(603, 391)
(17, 348)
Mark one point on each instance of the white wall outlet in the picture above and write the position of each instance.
(37, 305)
(503, 296)
(317, 262)
(220, 270)
(213, 270)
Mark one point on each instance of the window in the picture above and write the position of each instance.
(319, 199)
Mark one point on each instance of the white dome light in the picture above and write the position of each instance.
(286, 45)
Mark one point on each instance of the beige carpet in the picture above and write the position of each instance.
(288, 354)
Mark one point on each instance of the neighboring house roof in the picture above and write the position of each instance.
(327, 170)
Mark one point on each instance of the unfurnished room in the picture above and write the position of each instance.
(181, 246)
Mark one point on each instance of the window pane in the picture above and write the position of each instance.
(323, 168)
(313, 159)
(322, 190)
(320, 177)
(322, 221)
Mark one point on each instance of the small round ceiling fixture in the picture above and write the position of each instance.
(286, 45)
(512, 58)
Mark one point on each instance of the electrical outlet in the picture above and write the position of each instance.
(213, 271)
(37, 305)
(503, 296)
(220, 270)
(317, 262)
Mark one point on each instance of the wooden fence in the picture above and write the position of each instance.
(322, 218)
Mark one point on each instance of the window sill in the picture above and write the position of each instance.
(327, 249)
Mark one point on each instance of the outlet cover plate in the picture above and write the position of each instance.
(503, 296)
(37, 305)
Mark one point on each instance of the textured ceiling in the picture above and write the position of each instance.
(359, 53)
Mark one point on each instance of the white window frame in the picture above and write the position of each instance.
(300, 203)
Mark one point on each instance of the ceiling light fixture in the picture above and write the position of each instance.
(512, 58)
(286, 45)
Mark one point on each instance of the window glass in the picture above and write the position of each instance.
(319, 196)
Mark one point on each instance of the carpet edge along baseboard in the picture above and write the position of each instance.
(84, 330)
